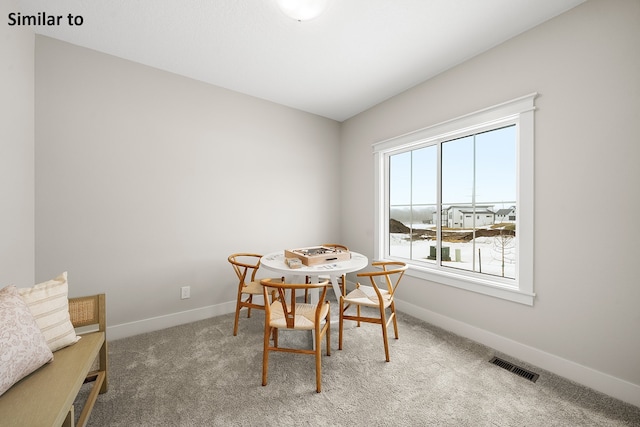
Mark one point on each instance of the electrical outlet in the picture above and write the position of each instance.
(185, 292)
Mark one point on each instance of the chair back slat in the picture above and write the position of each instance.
(392, 272)
(243, 262)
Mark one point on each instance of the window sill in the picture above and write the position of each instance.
(494, 288)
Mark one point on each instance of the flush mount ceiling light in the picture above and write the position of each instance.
(302, 10)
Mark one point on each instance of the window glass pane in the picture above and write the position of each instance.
(424, 184)
(457, 203)
(412, 187)
(424, 178)
(400, 205)
(457, 174)
(496, 167)
(496, 187)
(400, 184)
(479, 181)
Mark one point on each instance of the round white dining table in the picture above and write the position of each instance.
(275, 262)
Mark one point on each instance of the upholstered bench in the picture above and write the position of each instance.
(46, 396)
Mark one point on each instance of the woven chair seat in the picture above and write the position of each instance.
(254, 288)
(304, 318)
(366, 296)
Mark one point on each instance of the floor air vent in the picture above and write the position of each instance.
(531, 376)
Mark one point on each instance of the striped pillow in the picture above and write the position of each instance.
(49, 304)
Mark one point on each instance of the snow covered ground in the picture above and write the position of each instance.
(490, 256)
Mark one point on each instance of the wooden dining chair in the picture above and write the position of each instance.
(290, 314)
(375, 297)
(246, 266)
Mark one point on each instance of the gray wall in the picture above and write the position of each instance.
(146, 181)
(586, 66)
(16, 152)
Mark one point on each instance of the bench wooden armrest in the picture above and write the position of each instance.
(45, 397)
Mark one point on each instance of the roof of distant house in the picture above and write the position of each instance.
(504, 211)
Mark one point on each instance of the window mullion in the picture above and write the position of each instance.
(411, 208)
(439, 203)
(473, 209)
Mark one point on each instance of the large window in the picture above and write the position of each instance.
(455, 201)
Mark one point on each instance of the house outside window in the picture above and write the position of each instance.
(447, 197)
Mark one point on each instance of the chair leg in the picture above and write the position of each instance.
(250, 301)
(265, 354)
(384, 333)
(328, 326)
(318, 360)
(341, 284)
(235, 323)
(395, 321)
(341, 324)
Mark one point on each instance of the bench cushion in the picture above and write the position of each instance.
(54, 386)
(23, 348)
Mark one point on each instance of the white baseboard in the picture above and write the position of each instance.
(604, 383)
(124, 330)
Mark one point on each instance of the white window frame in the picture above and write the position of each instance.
(519, 111)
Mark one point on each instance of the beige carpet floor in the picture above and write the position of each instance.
(200, 375)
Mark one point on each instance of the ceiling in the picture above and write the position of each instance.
(357, 54)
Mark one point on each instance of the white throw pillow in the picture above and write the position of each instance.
(23, 348)
(49, 304)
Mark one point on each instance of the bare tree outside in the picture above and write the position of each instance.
(504, 246)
